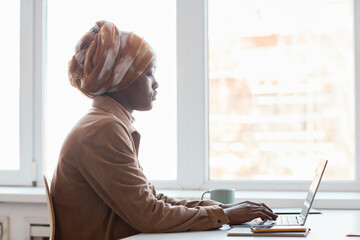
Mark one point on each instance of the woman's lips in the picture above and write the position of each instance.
(154, 96)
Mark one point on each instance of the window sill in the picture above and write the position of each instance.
(22, 194)
(274, 199)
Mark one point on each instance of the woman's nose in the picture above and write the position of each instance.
(155, 85)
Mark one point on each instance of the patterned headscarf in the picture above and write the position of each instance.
(108, 60)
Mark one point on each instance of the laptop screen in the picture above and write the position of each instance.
(313, 188)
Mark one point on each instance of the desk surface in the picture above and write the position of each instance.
(331, 224)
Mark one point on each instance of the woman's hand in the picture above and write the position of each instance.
(246, 211)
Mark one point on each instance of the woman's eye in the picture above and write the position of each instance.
(150, 74)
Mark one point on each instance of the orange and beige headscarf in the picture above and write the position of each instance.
(108, 60)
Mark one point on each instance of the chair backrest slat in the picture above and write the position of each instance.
(50, 207)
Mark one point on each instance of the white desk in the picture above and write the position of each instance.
(331, 224)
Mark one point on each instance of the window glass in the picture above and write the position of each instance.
(155, 20)
(10, 82)
(281, 89)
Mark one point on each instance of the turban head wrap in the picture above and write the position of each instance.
(108, 60)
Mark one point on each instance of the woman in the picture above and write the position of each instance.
(99, 188)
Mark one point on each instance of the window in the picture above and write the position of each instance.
(281, 80)
(239, 88)
(11, 79)
(16, 68)
(224, 129)
(157, 127)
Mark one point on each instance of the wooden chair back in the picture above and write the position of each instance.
(50, 207)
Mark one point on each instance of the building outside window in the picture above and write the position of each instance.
(281, 89)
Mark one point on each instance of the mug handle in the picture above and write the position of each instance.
(202, 196)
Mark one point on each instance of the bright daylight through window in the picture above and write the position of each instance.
(281, 89)
(10, 70)
(65, 105)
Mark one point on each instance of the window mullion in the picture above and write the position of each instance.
(39, 87)
(23, 177)
(26, 91)
(192, 92)
(357, 90)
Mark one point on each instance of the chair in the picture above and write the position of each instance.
(50, 207)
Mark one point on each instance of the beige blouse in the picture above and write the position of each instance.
(100, 191)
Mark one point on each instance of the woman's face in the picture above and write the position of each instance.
(143, 92)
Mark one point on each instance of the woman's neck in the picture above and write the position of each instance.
(122, 99)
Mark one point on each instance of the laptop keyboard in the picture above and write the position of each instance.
(282, 220)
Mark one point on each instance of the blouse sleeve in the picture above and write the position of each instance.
(109, 164)
(185, 202)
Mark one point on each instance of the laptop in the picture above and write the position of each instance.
(296, 219)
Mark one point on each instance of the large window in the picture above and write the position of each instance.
(10, 80)
(252, 93)
(281, 89)
(16, 123)
(156, 22)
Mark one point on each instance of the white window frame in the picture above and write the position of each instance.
(31, 113)
(23, 176)
(192, 104)
(192, 76)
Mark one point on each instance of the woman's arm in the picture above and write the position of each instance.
(184, 202)
(109, 164)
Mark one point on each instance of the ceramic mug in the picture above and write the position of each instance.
(221, 195)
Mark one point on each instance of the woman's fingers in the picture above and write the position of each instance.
(247, 211)
(259, 204)
(260, 209)
(271, 215)
(264, 205)
(263, 216)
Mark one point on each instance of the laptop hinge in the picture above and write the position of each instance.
(301, 219)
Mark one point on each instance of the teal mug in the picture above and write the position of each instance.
(221, 195)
